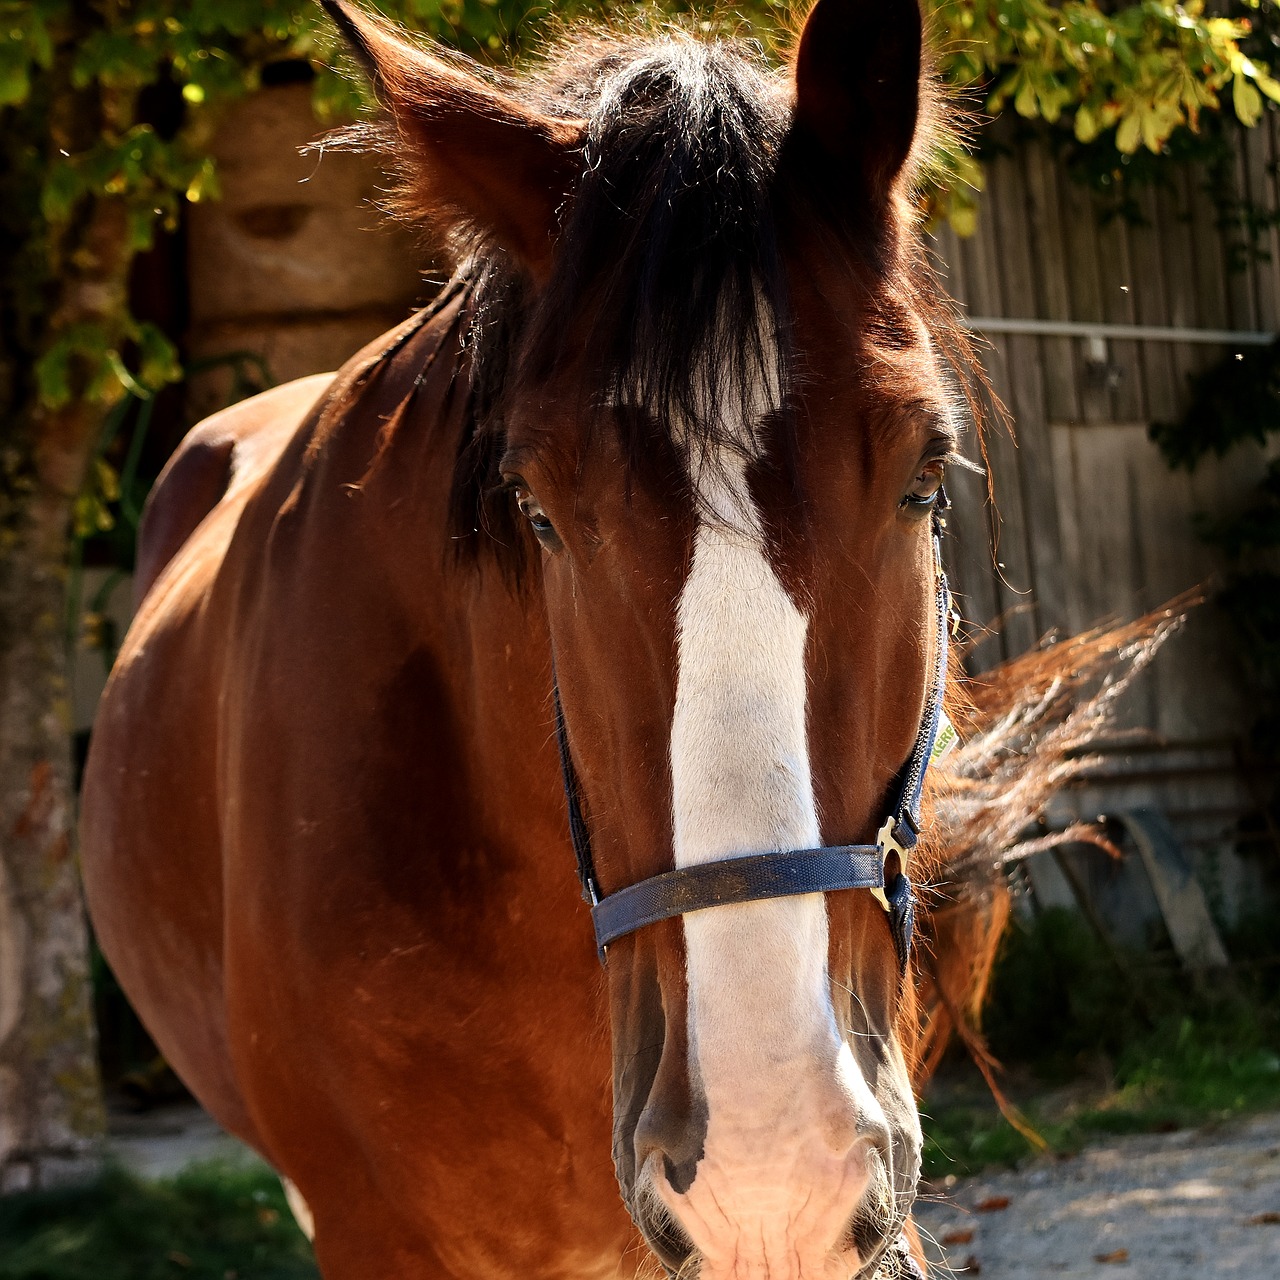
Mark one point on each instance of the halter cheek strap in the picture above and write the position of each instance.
(779, 875)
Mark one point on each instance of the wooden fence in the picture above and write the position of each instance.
(1089, 522)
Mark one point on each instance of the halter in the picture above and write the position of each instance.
(729, 881)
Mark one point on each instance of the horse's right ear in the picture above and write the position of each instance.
(857, 72)
(470, 152)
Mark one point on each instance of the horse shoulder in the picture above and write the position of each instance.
(222, 454)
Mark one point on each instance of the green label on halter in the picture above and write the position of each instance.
(946, 740)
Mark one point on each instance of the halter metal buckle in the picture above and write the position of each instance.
(888, 843)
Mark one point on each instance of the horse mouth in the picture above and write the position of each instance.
(876, 1222)
(873, 1228)
(664, 1234)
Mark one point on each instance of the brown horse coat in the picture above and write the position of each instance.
(315, 1019)
(689, 385)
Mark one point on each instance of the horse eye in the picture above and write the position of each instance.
(924, 493)
(532, 511)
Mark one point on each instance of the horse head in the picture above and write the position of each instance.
(712, 419)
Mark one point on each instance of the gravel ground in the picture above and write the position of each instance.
(1193, 1205)
(1201, 1204)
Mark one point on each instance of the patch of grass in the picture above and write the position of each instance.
(1160, 1051)
(211, 1222)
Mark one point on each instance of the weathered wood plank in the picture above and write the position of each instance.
(1259, 165)
(948, 260)
(1129, 398)
(1120, 538)
(1182, 901)
(968, 556)
(1152, 306)
(1177, 247)
(980, 577)
(1129, 545)
(1023, 278)
(1010, 276)
(1082, 248)
(1208, 264)
(1105, 570)
(1049, 278)
(1242, 302)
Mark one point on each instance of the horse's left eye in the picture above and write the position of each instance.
(926, 490)
(532, 511)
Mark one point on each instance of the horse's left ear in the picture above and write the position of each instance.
(471, 152)
(857, 85)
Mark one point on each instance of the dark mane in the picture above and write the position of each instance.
(668, 287)
(668, 244)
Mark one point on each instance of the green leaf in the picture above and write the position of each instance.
(1268, 84)
(142, 221)
(53, 376)
(1129, 134)
(15, 83)
(62, 188)
(121, 375)
(203, 184)
(1247, 100)
(1024, 102)
(158, 358)
(1153, 135)
(963, 218)
(40, 44)
(107, 479)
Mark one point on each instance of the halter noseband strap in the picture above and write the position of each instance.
(777, 875)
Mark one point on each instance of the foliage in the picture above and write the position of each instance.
(1164, 1052)
(211, 1222)
(1141, 70)
(1237, 402)
(1114, 81)
(113, 101)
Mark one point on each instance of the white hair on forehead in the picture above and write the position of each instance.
(764, 1044)
(734, 401)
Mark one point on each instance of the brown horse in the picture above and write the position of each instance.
(680, 420)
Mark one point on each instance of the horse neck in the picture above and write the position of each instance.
(484, 638)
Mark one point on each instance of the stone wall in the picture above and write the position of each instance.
(295, 263)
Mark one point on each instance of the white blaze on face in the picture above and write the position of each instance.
(783, 1166)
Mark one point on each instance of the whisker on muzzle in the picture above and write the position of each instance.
(665, 1233)
(876, 1217)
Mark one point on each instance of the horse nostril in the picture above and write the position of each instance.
(670, 1141)
(679, 1175)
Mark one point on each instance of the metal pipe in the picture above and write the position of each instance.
(1120, 332)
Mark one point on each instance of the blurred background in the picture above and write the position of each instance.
(168, 245)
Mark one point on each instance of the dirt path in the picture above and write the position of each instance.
(1202, 1204)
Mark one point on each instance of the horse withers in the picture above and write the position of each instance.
(667, 454)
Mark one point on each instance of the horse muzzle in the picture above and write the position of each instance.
(825, 1217)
